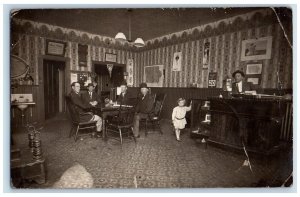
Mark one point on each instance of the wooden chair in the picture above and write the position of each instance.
(75, 118)
(122, 125)
(154, 117)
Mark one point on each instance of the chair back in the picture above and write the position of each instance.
(158, 104)
(72, 110)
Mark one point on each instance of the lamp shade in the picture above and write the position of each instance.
(120, 36)
(139, 42)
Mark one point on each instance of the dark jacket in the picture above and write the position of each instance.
(87, 99)
(145, 105)
(80, 107)
(125, 100)
(246, 86)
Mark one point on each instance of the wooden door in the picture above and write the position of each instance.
(52, 87)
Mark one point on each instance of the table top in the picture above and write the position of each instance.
(112, 108)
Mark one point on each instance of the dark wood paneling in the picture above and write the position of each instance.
(174, 93)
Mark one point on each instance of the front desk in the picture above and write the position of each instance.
(238, 122)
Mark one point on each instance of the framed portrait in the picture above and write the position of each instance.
(54, 47)
(256, 49)
(177, 61)
(254, 80)
(110, 57)
(253, 69)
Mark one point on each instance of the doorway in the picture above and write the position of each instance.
(54, 73)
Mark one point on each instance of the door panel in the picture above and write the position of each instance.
(51, 87)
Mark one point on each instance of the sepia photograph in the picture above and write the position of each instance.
(135, 98)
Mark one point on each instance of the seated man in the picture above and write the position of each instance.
(240, 85)
(81, 107)
(91, 97)
(143, 108)
(125, 96)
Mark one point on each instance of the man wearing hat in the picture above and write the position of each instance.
(240, 85)
(143, 109)
(91, 97)
(125, 96)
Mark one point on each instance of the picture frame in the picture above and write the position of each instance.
(110, 57)
(154, 75)
(54, 47)
(254, 80)
(254, 69)
(256, 49)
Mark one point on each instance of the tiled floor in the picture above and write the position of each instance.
(156, 161)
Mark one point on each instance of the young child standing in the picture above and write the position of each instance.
(178, 116)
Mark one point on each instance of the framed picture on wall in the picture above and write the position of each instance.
(253, 69)
(54, 47)
(110, 57)
(256, 49)
(254, 80)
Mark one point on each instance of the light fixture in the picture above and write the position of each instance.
(139, 42)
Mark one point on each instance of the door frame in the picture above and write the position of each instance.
(66, 89)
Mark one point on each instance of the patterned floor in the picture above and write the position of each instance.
(156, 161)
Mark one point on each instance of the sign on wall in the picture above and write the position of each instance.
(130, 72)
(212, 80)
(177, 61)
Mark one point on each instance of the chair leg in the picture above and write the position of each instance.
(71, 131)
(77, 130)
(146, 128)
(120, 131)
(158, 124)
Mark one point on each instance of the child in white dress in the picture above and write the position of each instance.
(178, 116)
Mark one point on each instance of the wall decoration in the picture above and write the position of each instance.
(109, 68)
(154, 75)
(212, 80)
(82, 55)
(55, 48)
(254, 80)
(206, 54)
(130, 72)
(256, 49)
(109, 57)
(253, 69)
(73, 77)
(177, 59)
(82, 78)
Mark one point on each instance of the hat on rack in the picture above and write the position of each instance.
(143, 85)
(238, 71)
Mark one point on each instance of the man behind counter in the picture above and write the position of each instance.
(240, 85)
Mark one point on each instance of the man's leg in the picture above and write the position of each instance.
(98, 123)
(136, 124)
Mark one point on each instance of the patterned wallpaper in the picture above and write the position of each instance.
(31, 40)
(225, 40)
(225, 37)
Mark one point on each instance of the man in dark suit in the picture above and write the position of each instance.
(240, 85)
(144, 107)
(91, 97)
(82, 107)
(125, 96)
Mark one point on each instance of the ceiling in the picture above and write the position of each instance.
(145, 23)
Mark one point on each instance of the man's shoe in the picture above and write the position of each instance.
(137, 136)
